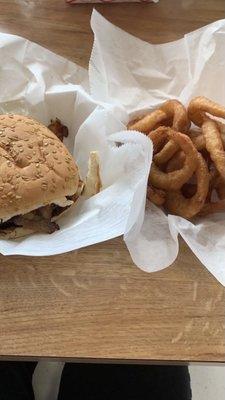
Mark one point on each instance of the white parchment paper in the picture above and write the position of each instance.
(44, 85)
(139, 76)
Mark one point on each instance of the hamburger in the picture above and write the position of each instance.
(39, 179)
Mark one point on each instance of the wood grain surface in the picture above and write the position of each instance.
(94, 303)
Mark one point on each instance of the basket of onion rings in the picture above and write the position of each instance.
(187, 175)
(173, 94)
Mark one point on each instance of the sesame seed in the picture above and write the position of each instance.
(18, 197)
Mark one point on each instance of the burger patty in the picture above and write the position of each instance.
(38, 220)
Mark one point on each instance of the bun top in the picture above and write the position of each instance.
(36, 169)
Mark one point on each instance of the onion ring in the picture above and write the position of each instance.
(199, 141)
(170, 110)
(213, 175)
(176, 162)
(214, 145)
(156, 196)
(212, 208)
(166, 153)
(177, 204)
(158, 137)
(220, 188)
(175, 179)
(175, 110)
(199, 106)
(180, 122)
(148, 122)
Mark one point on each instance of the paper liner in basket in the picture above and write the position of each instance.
(139, 76)
(44, 85)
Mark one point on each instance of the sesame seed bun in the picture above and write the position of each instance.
(36, 169)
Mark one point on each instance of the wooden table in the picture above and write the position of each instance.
(94, 304)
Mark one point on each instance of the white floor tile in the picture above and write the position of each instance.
(208, 383)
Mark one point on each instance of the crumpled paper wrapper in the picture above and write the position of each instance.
(139, 76)
(36, 82)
